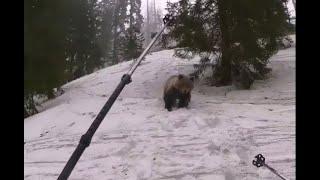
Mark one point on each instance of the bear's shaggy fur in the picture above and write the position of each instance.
(177, 87)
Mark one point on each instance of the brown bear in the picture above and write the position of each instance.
(177, 87)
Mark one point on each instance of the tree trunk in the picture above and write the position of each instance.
(224, 70)
(131, 20)
(148, 25)
(115, 33)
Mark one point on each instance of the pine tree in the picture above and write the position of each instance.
(44, 53)
(118, 30)
(244, 32)
(134, 38)
(95, 60)
(83, 51)
(104, 29)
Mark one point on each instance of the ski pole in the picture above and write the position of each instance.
(260, 161)
(85, 139)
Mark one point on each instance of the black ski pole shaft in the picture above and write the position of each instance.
(274, 171)
(134, 67)
(85, 139)
(167, 20)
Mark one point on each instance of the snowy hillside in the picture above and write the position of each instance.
(215, 139)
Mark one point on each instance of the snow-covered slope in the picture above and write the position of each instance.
(216, 138)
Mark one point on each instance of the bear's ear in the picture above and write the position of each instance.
(180, 76)
(192, 78)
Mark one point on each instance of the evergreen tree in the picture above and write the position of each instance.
(244, 32)
(44, 54)
(95, 59)
(119, 30)
(104, 29)
(134, 38)
(62, 42)
(82, 48)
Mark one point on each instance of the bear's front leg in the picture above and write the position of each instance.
(168, 100)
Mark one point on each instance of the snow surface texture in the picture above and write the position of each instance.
(216, 138)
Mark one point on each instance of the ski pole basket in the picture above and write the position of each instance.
(260, 161)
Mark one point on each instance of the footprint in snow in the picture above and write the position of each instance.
(92, 114)
(212, 122)
(151, 116)
(70, 125)
(242, 154)
(213, 149)
(42, 134)
(130, 103)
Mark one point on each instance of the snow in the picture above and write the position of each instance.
(217, 137)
